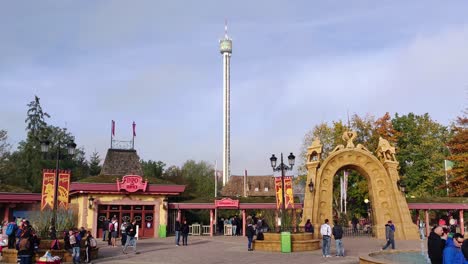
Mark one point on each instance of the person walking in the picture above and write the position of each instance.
(325, 231)
(185, 232)
(452, 250)
(89, 245)
(250, 232)
(177, 232)
(338, 235)
(389, 235)
(10, 231)
(114, 233)
(131, 233)
(123, 232)
(25, 248)
(75, 242)
(436, 244)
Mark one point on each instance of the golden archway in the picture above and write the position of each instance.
(387, 202)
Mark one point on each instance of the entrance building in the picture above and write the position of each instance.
(128, 199)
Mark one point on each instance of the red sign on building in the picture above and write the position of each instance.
(227, 202)
(132, 183)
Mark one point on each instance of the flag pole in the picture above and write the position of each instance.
(446, 177)
(112, 129)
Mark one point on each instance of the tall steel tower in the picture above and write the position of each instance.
(225, 47)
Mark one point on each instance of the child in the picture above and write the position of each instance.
(250, 232)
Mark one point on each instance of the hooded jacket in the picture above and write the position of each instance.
(435, 247)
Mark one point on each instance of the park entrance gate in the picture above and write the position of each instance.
(387, 202)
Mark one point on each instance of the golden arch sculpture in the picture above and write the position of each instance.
(387, 202)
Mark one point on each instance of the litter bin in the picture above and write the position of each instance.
(162, 231)
(286, 242)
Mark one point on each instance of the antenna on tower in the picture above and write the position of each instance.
(347, 113)
(225, 29)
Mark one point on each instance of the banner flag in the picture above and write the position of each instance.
(448, 165)
(48, 185)
(289, 195)
(278, 191)
(113, 128)
(64, 189)
(134, 132)
(48, 182)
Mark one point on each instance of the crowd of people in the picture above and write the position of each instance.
(446, 247)
(127, 231)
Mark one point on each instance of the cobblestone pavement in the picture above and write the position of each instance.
(221, 249)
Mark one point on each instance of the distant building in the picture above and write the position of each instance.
(240, 186)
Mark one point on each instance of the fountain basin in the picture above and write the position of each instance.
(394, 256)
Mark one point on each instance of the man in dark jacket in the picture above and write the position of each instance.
(337, 232)
(389, 235)
(177, 232)
(436, 244)
(250, 232)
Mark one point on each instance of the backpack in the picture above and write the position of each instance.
(55, 245)
(92, 242)
(10, 229)
(24, 244)
(111, 227)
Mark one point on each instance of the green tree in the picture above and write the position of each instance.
(94, 164)
(421, 152)
(4, 154)
(199, 177)
(153, 169)
(35, 119)
(26, 163)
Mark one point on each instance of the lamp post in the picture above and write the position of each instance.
(282, 167)
(71, 146)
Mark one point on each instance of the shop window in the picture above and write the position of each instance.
(102, 207)
(149, 207)
(126, 207)
(115, 207)
(138, 207)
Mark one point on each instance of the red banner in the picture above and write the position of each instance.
(289, 195)
(64, 189)
(48, 185)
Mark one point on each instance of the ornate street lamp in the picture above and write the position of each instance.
(282, 167)
(71, 146)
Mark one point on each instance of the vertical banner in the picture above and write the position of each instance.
(278, 191)
(48, 185)
(48, 182)
(64, 189)
(288, 191)
(289, 195)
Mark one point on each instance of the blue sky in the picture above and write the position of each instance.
(293, 66)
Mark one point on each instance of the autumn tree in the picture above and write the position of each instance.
(458, 146)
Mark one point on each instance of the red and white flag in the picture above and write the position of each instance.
(113, 128)
(134, 125)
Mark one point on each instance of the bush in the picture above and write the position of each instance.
(41, 221)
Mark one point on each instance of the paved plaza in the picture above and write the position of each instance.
(221, 249)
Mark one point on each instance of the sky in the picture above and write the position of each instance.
(294, 65)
